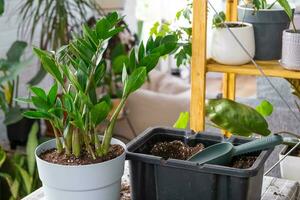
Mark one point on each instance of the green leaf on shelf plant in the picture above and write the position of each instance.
(265, 108)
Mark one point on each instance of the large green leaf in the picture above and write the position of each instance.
(135, 80)
(99, 112)
(49, 64)
(16, 51)
(31, 145)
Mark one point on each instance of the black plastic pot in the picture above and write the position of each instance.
(17, 133)
(268, 27)
(153, 178)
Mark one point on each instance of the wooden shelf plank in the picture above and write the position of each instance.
(270, 68)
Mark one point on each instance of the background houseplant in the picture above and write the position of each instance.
(269, 21)
(57, 19)
(75, 114)
(18, 172)
(10, 68)
(223, 42)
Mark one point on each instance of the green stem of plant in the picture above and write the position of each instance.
(76, 143)
(59, 145)
(88, 146)
(109, 130)
(294, 26)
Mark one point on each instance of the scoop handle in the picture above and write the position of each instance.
(258, 144)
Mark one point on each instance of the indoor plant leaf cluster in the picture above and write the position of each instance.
(10, 68)
(77, 68)
(20, 171)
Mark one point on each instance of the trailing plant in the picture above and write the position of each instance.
(219, 19)
(75, 114)
(19, 170)
(57, 20)
(183, 33)
(10, 68)
(237, 118)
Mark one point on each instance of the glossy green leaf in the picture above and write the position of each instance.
(31, 145)
(182, 121)
(52, 94)
(135, 80)
(37, 115)
(141, 52)
(49, 64)
(40, 103)
(39, 92)
(99, 112)
(265, 108)
(150, 61)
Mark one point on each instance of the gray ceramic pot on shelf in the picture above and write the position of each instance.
(269, 25)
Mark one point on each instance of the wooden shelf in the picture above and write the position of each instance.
(270, 68)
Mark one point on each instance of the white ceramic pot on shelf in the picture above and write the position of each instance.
(291, 50)
(226, 50)
(81, 182)
(290, 166)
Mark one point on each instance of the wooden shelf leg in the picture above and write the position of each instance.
(198, 69)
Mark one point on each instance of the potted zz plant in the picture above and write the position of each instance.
(160, 166)
(10, 67)
(269, 20)
(223, 42)
(78, 164)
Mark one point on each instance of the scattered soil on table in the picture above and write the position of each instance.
(53, 156)
(125, 192)
(243, 162)
(175, 149)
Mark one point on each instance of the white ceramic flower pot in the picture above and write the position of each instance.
(291, 50)
(290, 166)
(226, 50)
(111, 4)
(85, 182)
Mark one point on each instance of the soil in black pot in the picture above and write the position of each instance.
(181, 151)
(85, 158)
(175, 149)
(243, 162)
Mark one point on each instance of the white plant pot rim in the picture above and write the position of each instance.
(78, 166)
(291, 31)
(248, 25)
(283, 151)
(264, 10)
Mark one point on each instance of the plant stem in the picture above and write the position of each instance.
(59, 145)
(76, 143)
(109, 130)
(294, 26)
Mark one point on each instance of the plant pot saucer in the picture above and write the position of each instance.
(293, 68)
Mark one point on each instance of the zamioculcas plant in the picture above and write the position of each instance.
(77, 68)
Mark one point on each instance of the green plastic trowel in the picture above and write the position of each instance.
(222, 153)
